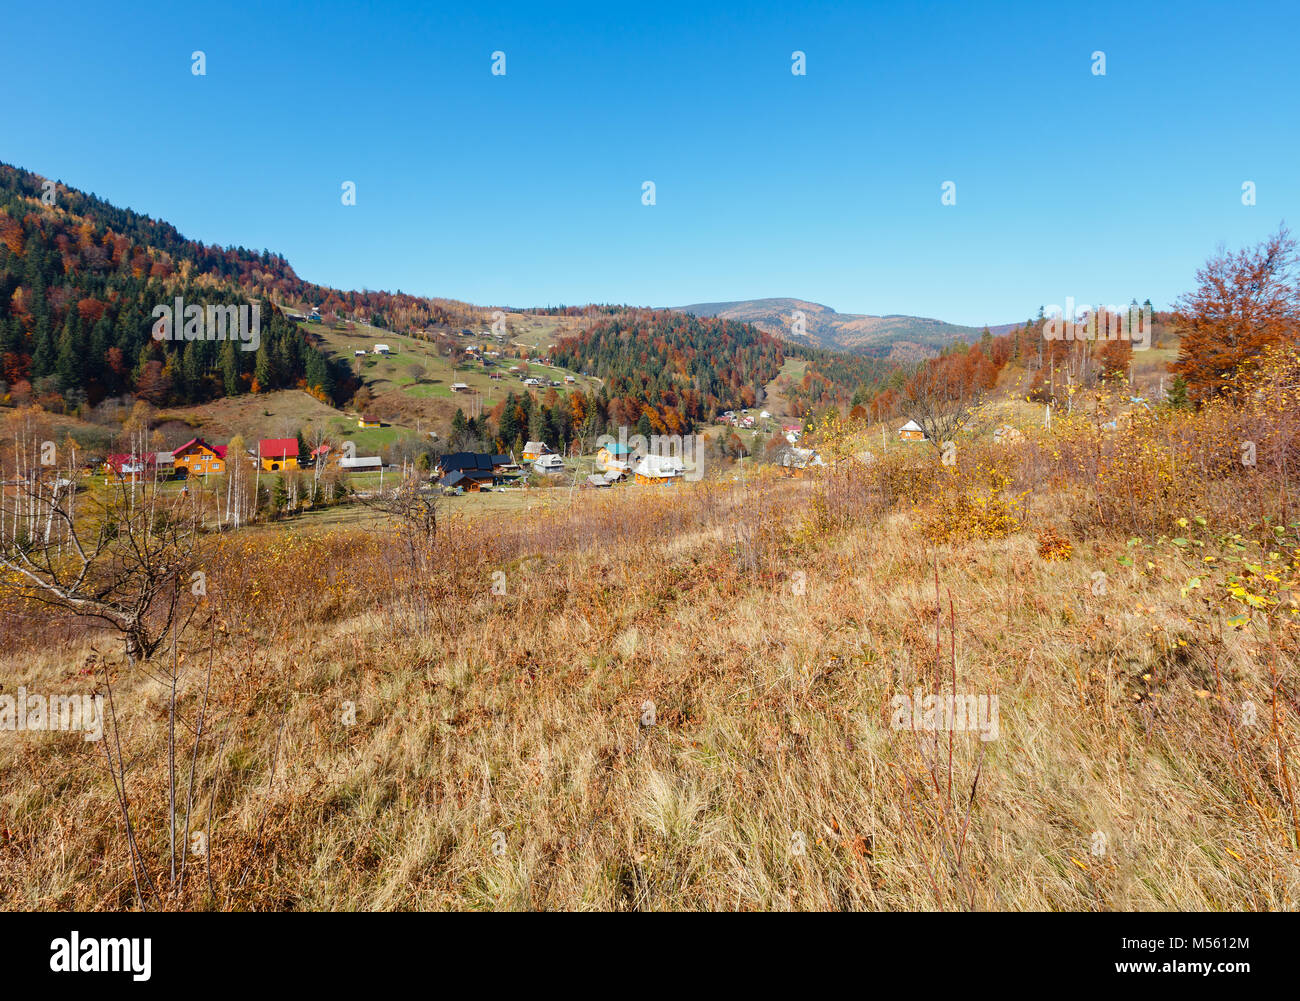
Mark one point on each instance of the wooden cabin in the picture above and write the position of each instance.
(198, 458)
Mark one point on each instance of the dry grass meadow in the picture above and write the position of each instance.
(681, 700)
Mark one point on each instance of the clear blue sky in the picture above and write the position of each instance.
(526, 189)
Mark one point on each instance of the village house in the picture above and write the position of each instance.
(549, 463)
(534, 450)
(382, 349)
(198, 458)
(121, 468)
(463, 480)
(798, 461)
(911, 431)
(615, 455)
(369, 422)
(277, 454)
(361, 463)
(658, 469)
(472, 470)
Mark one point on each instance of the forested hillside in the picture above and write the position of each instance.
(687, 369)
(78, 281)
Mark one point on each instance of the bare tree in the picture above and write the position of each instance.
(123, 560)
(413, 509)
(940, 399)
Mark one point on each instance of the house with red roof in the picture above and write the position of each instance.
(131, 468)
(278, 453)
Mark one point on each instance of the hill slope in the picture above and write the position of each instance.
(79, 279)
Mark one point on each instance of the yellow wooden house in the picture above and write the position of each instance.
(278, 453)
(198, 458)
(535, 450)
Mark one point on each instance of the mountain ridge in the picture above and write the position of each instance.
(897, 336)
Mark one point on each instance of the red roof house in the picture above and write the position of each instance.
(278, 453)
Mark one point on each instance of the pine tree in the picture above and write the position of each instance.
(230, 369)
(70, 358)
(43, 354)
(1176, 395)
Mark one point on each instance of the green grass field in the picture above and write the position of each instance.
(384, 374)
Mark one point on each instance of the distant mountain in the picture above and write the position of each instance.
(892, 336)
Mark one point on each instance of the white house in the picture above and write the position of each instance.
(549, 463)
(361, 463)
(911, 431)
(795, 460)
(382, 349)
(658, 469)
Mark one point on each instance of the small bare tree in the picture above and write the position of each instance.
(940, 399)
(412, 507)
(123, 558)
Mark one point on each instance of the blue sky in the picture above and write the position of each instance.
(525, 189)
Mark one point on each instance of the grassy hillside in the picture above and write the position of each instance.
(687, 698)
